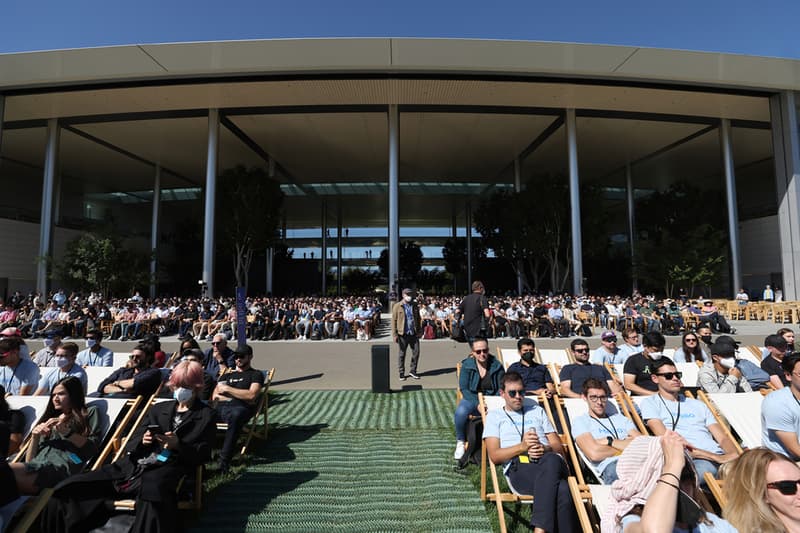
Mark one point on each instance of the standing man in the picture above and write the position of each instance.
(406, 329)
(768, 295)
(95, 354)
(475, 312)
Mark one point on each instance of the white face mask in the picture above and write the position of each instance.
(727, 362)
(62, 361)
(48, 342)
(655, 356)
(90, 343)
(406, 298)
(182, 394)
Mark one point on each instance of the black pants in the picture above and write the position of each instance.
(553, 509)
(236, 416)
(404, 342)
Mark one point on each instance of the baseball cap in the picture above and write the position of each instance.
(723, 348)
(608, 335)
(244, 349)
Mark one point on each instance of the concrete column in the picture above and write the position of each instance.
(211, 196)
(469, 245)
(726, 143)
(339, 250)
(786, 145)
(518, 189)
(270, 268)
(154, 229)
(2, 113)
(394, 198)
(631, 203)
(574, 203)
(46, 221)
(324, 262)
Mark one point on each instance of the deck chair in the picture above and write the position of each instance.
(120, 359)
(742, 411)
(559, 357)
(96, 375)
(716, 486)
(508, 356)
(690, 371)
(753, 353)
(32, 408)
(590, 502)
(257, 429)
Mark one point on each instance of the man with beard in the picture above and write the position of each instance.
(535, 376)
(136, 379)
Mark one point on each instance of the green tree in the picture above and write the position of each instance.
(94, 262)
(360, 281)
(249, 206)
(410, 262)
(454, 253)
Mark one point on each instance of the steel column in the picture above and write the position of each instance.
(726, 143)
(270, 269)
(46, 221)
(2, 114)
(469, 245)
(574, 203)
(211, 197)
(630, 201)
(394, 198)
(324, 262)
(339, 250)
(154, 230)
(518, 189)
(786, 145)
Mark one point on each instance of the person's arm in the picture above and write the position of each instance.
(529, 442)
(789, 441)
(724, 442)
(656, 426)
(566, 389)
(630, 384)
(775, 381)
(598, 449)
(246, 395)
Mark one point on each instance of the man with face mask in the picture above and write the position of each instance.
(95, 354)
(406, 329)
(47, 355)
(535, 377)
(719, 374)
(637, 370)
(65, 361)
(139, 378)
(704, 333)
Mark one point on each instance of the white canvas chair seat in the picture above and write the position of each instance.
(95, 376)
(742, 410)
(590, 503)
(600, 497)
(689, 371)
(576, 407)
(32, 408)
(120, 360)
(508, 356)
(558, 357)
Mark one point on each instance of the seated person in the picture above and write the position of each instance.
(776, 347)
(18, 376)
(95, 354)
(235, 396)
(631, 345)
(636, 373)
(573, 375)
(65, 360)
(603, 433)
(480, 372)
(690, 349)
(719, 373)
(521, 437)
(139, 378)
(608, 352)
(62, 441)
(656, 491)
(692, 419)
(12, 424)
(47, 355)
(780, 413)
(196, 355)
(219, 358)
(761, 489)
(535, 376)
(175, 437)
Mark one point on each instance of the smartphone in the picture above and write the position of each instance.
(155, 429)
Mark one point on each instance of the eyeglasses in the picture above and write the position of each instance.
(485, 350)
(787, 487)
(632, 337)
(581, 350)
(215, 343)
(670, 375)
(597, 398)
(514, 393)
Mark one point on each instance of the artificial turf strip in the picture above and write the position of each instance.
(326, 469)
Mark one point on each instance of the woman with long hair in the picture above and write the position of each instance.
(761, 492)
(690, 349)
(175, 437)
(61, 442)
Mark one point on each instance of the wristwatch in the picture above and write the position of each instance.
(610, 441)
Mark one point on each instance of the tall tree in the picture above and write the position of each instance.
(454, 253)
(249, 206)
(410, 262)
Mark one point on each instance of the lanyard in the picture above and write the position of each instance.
(521, 432)
(616, 435)
(92, 362)
(8, 383)
(673, 418)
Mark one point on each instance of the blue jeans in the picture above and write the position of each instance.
(464, 409)
(702, 466)
(609, 475)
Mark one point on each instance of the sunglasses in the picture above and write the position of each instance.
(670, 375)
(581, 350)
(215, 343)
(514, 393)
(691, 340)
(787, 487)
(611, 339)
(481, 351)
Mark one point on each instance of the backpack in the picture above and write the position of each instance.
(428, 332)
(456, 332)
(474, 443)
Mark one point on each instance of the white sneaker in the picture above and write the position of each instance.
(459, 453)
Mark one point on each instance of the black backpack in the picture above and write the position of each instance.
(474, 443)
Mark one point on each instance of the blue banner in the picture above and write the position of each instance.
(241, 315)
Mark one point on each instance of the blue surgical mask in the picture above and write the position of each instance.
(182, 394)
(62, 361)
(48, 342)
(90, 343)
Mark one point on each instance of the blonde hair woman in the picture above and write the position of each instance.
(762, 492)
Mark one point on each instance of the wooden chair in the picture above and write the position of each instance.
(716, 486)
(590, 502)
(739, 412)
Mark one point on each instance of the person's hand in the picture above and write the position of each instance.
(169, 440)
(147, 438)
(394, 337)
(45, 427)
(735, 372)
(673, 446)
(61, 424)
(530, 439)
(536, 451)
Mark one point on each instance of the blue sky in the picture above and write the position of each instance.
(760, 28)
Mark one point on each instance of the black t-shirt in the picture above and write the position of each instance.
(639, 366)
(774, 368)
(472, 307)
(242, 380)
(577, 373)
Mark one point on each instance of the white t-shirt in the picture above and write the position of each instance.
(780, 411)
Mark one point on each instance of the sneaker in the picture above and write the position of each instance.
(412, 375)
(459, 453)
(403, 378)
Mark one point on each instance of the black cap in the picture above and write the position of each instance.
(243, 349)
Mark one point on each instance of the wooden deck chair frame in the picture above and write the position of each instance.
(582, 498)
(628, 408)
(703, 397)
(716, 486)
(262, 406)
(753, 349)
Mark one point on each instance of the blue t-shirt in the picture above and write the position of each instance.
(510, 426)
(25, 373)
(717, 525)
(51, 377)
(779, 412)
(627, 350)
(691, 421)
(103, 357)
(577, 373)
(615, 426)
(534, 377)
(600, 356)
